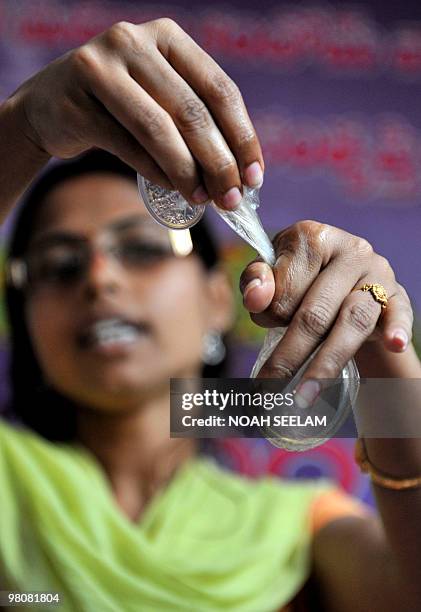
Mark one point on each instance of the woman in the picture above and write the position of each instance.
(102, 318)
(121, 516)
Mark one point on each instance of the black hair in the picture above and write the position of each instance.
(34, 403)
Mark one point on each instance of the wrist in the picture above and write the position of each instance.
(18, 132)
(394, 481)
(21, 157)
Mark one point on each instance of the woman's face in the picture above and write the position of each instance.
(119, 331)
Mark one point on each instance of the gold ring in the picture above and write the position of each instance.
(378, 292)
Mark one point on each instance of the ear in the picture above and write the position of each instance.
(220, 300)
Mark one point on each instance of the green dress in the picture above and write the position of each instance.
(210, 541)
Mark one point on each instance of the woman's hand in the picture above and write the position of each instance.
(150, 95)
(311, 290)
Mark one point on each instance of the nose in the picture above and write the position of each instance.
(103, 275)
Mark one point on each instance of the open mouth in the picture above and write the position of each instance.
(111, 332)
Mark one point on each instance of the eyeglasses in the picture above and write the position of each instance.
(61, 261)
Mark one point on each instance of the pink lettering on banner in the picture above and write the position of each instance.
(339, 40)
(381, 162)
(351, 43)
(55, 23)
(342, 40)
(405, 56)
(332, 38)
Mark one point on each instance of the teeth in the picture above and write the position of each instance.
(112, 331)
(108, 323)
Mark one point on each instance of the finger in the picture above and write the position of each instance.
(257, 284)
(302, 250)
(220, 94)
(356, 322)
(114, 138)
(315, 316)
(196, 125)
(151, 126)
(396, 322)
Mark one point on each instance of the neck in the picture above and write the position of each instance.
(135, 450)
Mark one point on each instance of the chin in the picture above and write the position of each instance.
(121, 385)
(116, 394)
(112, 401)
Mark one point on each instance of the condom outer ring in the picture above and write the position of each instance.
(141, 182)
(351, 384)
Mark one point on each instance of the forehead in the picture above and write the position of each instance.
(88, 203)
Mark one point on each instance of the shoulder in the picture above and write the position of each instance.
(334, 504)
(13, 436)
(26, 457)
(16, 438)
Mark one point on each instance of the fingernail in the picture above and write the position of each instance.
(232, 198)
(256, 282)
(306, 393)
(263, 273)
(400, 337)
(200, 195)
(253, 175)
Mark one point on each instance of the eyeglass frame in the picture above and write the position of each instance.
(17, 267)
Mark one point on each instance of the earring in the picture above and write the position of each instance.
(213, 350)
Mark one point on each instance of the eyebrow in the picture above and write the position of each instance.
(58, 236)
(131, 221)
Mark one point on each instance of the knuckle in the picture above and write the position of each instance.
(119, 34)
(165, 24)
(246, 139)
(314, 320)
(224, 167)
(363, 248)
(165, 32)
(307, 226)
(185, 172)
(309, 235)
(153, 123)
(278, 368)
(221, 88)
(85, 60)
(310, 229)
(384, 266)
(286, 241)
(282, 309)
(362, 317)
(333, 362)
(192, 115)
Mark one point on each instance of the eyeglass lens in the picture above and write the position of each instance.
(64, 261)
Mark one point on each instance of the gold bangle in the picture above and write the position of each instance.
(383, 480)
